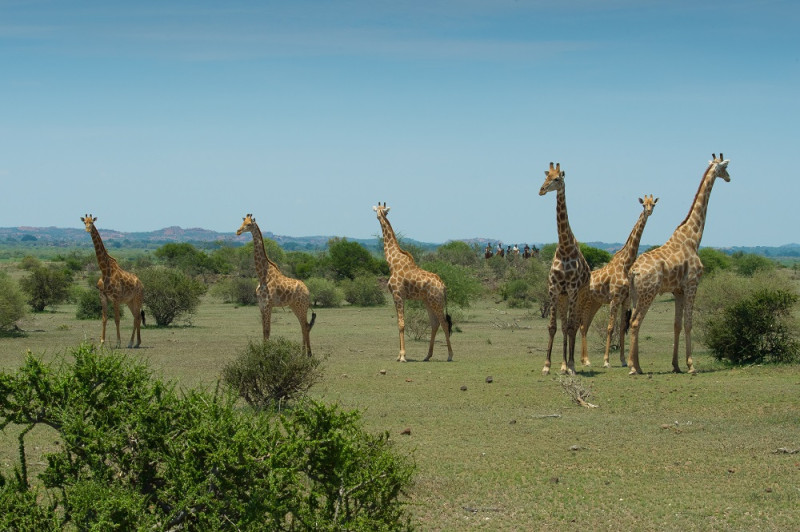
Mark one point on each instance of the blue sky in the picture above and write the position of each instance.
(154, 114)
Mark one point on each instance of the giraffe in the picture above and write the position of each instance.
(609, 285)
(674, 267)
(409, 281)
(569, 274)
(275, 289)
(116, 285)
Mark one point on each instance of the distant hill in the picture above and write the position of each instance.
(77, 237)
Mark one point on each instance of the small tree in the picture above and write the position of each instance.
(269, 373)
(238, 290)
(12, 302)
(89, 306)
(324, 292)
(713, 260)
(364, 291)
(749, 320)
(170, 293)
(46, 287)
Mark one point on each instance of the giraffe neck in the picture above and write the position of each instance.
(391, 248)
(565, 236)
(631, 248)
(261, 260)
(103, 259)
(690, 231)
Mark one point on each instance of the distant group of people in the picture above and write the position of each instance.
(511, 251)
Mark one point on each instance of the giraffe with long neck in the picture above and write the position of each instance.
(674, 267)
(116, 285)
(409, 281)
(609, 286)
(569, 275)
(275, 289)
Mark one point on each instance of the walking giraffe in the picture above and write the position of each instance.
(116, 285)
(674, 267)
(569, 275)
(409, 281)
(275, 289)
(609, 285)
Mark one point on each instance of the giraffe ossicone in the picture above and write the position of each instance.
(409, 281)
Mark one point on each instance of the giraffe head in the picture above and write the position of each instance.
(248, 222)
(381, 210)
(720, 166)
(648, 203)
(88, 221)
(554, 179)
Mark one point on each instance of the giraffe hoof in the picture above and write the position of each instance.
(545, 372)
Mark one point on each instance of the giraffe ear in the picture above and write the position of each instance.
(94, 219)
(375, 209)
(641, 200)
(655, 200)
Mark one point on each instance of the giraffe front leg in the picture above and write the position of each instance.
(104, 306)
(551, 329)
(687, 331)
(401, 326)
(266, 319)
(612, 320)
(571, 334)
(676, 330)
(116, 322)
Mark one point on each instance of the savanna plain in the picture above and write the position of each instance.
(498, 446)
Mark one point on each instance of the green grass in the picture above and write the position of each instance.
(662, 451)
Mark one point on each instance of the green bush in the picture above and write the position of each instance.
(462, 285)
(517, 294)
(170, 294)
(46, 287)
(238, 290)
(713, 261)
(596, 257)
(324, 293)
(132, 453)
(270, 373)
(12, 303)
(89, 307)
(459, 253)
(749, 320)
(364, 291)
(748, 264)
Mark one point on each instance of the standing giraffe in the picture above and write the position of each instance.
(674, 267)
(569, 274)
(609, 285)
(275, 289)
(116, 285)
(409, 281)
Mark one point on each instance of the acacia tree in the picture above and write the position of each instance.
(46, 286)
(169, 294)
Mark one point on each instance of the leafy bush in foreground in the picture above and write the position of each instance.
(135, 454)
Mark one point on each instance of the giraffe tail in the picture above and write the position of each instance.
(449, 323)
(143, 322)
(313, 319)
